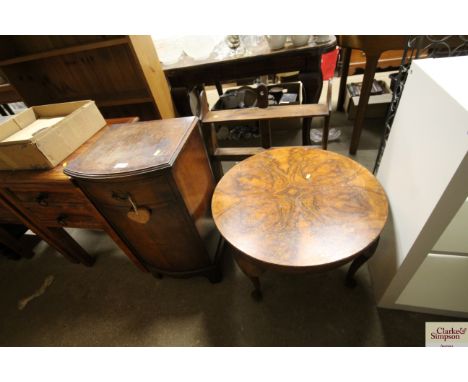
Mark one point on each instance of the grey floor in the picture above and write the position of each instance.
(114, 304)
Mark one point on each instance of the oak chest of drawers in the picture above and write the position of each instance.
(153, 183)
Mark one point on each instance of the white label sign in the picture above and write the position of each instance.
(447, 334)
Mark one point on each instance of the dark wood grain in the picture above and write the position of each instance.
(299, 208)
(154, 145)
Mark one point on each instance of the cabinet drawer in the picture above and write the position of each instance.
(65, 215)
(66, 207)
(151, 191)
(45, 198)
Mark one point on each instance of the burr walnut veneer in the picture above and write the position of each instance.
(299, 209)
(153, 183)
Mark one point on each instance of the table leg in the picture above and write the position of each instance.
(219, 88)
(372, 61)
(69, 247)
(306, 125)
(312, 81)
(359, 261)
(253, 272)
(344, 77)
(57, 238)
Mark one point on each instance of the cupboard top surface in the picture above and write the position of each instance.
(132, 149)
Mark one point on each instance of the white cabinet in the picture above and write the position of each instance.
(424, 171)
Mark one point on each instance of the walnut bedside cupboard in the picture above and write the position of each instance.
(153, 183)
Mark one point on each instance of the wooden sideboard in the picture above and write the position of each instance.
(47, 201)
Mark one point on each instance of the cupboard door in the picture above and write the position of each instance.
(167, 241)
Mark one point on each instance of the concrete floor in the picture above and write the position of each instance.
(114, 304)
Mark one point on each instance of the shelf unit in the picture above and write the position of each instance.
(121, 73)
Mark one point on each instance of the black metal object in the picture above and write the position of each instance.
(432, 47)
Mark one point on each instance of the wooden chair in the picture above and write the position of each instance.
(263, 114)
(373, 47)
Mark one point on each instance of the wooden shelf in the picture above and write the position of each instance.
(273, 112)
(236, 153)
(63, 51)
(124, 101)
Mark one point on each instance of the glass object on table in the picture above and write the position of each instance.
(320, 39)
(234, 43)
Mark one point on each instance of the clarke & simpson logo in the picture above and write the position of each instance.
(446, 334)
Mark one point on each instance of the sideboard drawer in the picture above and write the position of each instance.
(75, 216)
(66, 207)
(44, 198)
(151, 191)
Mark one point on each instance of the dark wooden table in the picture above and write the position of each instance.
(373, 47)
(255, 61)
(299, 209)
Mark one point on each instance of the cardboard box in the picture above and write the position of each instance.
(42, 136)
(377, 106)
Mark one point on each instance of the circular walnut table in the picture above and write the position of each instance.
(299, 209)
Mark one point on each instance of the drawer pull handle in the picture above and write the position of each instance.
(62, 219)
(41, 199)
(135, 208)
(137, 214)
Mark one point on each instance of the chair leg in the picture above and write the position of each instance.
(265, 134)
(343, 78)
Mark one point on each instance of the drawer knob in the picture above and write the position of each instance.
(42, 199)
(62, 219)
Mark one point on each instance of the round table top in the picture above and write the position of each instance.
(299, 207)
